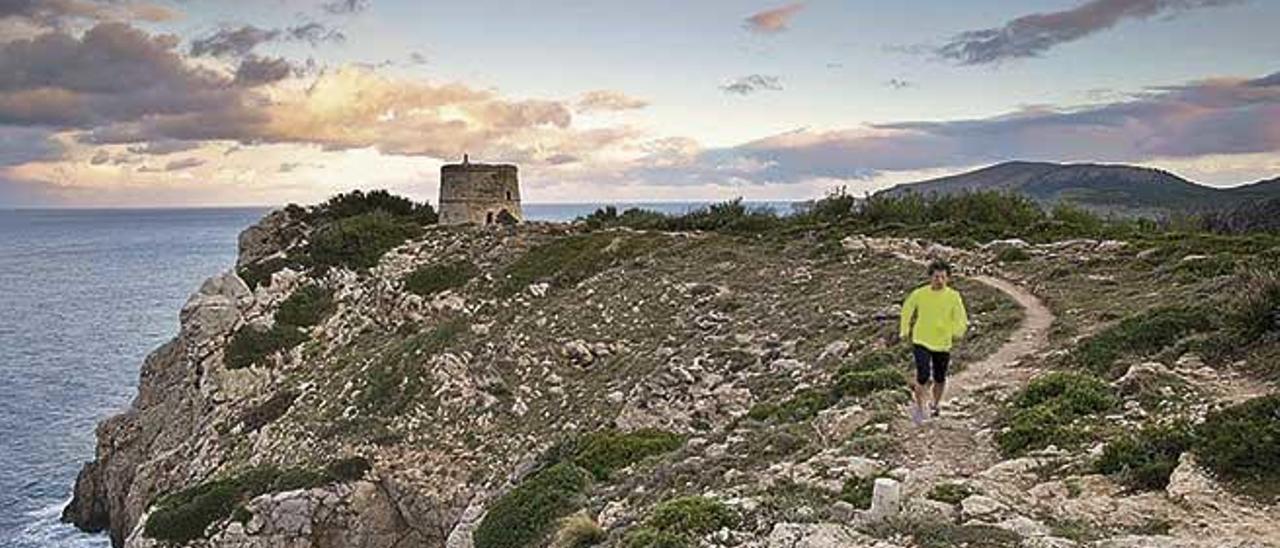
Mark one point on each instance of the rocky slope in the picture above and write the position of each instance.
(675, 388)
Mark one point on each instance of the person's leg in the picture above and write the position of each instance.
(920, 390)
(940, 362)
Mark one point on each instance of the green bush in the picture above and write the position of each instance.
(307, 306)
(1257, 311)
(861, 383)
(1139, 335)
(356, 203)
(358, 241)
(1241, 444)
(259, 273)
(950, 493)
(858, 491)
(251, 346)
(186, 515)
(606, 451)
(431, 279)
(1145, 459)
(527, 514)
(1046, 412)
(692, 515)
(1011, 254)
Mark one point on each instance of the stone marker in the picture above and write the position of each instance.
(886, 498)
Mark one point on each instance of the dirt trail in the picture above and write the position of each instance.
(959, 444)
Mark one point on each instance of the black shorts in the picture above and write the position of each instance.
(929, 362)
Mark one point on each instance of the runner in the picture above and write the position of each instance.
(939, 319)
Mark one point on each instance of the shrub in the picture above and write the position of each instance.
(356, 203)
(251, 345)
(358, 241)
(691, 516)
(1241, 444)
(606, 451)
(950, 493)
(259, 273)
(431, 279)
(1257, 312)
(1011, 254)
(349, 469)
(267, 412)
(185, 515)
(1145, 459)
(1045, 412)
(527, 514)
(858, 490)
(578, 531)
(307, 306)
(1140, 335)
(861, 383)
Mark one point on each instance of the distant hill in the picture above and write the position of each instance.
(1118, 189)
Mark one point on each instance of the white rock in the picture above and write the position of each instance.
(979, 507)
(886, 498)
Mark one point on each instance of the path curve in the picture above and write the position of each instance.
(959, 443)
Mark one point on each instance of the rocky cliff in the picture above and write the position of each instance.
(544, 384)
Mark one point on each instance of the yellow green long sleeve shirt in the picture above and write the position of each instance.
(939, 317)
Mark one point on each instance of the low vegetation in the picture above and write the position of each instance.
(1241, 445)
(680, 522)
(564, 262)
(306, 307)
(1054, 409)
(184, 516)
(528, 514)
(252, 345)
(358, 242)
(435, 278)
(1142, 334)
(395, 380)
(357, 203)
(1144, 460)
(950, 493)
(578, 531)
(868, 374)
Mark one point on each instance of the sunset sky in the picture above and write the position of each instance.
(239, 102)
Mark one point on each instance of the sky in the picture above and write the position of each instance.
(155, 103)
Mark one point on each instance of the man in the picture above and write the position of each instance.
(939, 318)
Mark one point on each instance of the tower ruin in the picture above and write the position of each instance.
(482, 194)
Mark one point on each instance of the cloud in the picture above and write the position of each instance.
(774, 20)
(608, 101)
(345, 7)
(753, 83)
(239, 42)
(113, 72)
(1222, 116)
(161, 148)
(1032, 35)
(417, 58)
(55, 13)
(897, 83)
(184, 163)
(19, 145)
(257, 71)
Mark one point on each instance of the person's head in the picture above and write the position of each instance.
(939, 274)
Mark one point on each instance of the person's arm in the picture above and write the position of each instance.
(908, 310)
(959, 318)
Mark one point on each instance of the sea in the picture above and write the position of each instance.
(84, 296)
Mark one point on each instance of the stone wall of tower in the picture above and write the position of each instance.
(478, 193)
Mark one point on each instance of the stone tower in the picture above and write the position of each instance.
(479, 193)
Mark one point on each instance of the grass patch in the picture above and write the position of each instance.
(564, 262)
(1140, 335)
(431, 279)
(1048, 410)
(1011, 254)
(1144, 460)
(184, 516)
(394, 382)
(251, 345)
(307, 306)
(930, 534)
(870, 373)
(1241, 445)
(950, 493)
(527, 515)
(359, 241)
